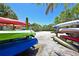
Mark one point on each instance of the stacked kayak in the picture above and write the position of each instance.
(13, 42)
(71, 39)
(15, 47)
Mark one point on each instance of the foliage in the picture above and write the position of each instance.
(38, 27)
(68, 14)
(51, 6)
(57, 20)
(75, 11)
(6, 11)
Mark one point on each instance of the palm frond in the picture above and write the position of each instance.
(50, 7)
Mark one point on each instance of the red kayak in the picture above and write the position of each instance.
(4, 21)
(76, 39)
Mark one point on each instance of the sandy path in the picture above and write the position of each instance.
(48, 47)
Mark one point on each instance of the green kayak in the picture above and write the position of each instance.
(7, 35)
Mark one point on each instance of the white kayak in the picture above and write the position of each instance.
(69, 23)
(69, 30)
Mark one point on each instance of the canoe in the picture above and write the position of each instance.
(7, 35)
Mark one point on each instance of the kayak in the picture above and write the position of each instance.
(69, 30)
(16, 47)
(16, 40)
(75, 22)
(7, 35)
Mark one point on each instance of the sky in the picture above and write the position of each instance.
(35, 13)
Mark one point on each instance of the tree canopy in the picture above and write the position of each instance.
(6, 11)
(68, 14)
(38, 27)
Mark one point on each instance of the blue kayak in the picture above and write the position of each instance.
(15, 47)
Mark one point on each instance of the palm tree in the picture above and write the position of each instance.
(66, 15)
(51, 6)
(6, 11)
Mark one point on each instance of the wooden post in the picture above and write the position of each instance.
(13, 27)
(27, 27)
